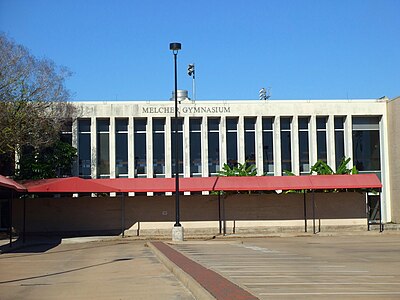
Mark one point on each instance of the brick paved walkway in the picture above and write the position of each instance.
(215, 284)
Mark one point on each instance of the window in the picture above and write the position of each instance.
(213, 146)
(195, 146)
(139, 147)
(231, 141)
(179, 125)
(268, 143)
(321, 138)
(286, 144)
(84, 148)
(304, 154)
(250, 140)
(366, 143)
(103, 148)
(159, 147)
(121, 148)
(339, 139)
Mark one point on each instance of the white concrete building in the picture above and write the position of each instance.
(135, 138)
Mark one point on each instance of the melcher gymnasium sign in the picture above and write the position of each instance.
(186, 109)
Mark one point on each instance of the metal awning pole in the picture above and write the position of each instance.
(313, 210)
(305, 210)
(10, 216)
(380, 214)
(123, 214)
(219, 212)
(24, 222)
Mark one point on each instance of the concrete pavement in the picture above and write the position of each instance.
(329, 266)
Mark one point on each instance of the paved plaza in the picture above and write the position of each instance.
(356, 266)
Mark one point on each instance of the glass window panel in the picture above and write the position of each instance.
(339, 147)
(267, 123)
(121, 147)
(121, 125)
(285, 123)
(286, 148)
(303, 122)
(321, 145)
(366, 150)
(321, 122)
(84, 154)
(103, 154)
(231, 123)
(339, 122)
(84, 125)
(286, 144)
(268, 142)
(304, 155)
(139, 147)
(103, 125)
(180, 145)
(195, 146)
(213, 145)
(158, 146)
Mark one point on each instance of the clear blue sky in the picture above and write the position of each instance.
(310, 49)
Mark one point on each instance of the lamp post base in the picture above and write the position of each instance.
(177, 234)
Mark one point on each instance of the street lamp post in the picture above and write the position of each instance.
(177, 230)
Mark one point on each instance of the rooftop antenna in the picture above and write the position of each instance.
(264, 93)
(191, 72)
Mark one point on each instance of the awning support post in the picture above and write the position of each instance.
(313, 211)
(123, 215)
(24, 223)
(219, 212)
(305, 210)
(11, 218)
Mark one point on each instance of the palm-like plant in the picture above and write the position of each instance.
(239, 170)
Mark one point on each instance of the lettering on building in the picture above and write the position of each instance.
(186, 110)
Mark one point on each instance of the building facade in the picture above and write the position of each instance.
(137, 138)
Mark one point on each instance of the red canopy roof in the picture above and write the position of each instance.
(196, 184)
(11, 184)
(66, 185)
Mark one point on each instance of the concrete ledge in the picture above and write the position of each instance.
(192, 285)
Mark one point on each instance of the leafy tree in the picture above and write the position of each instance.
(49, 162)
(33, 100)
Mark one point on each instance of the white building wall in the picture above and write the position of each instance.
(239, 109)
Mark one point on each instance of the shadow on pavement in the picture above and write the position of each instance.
(31, 245)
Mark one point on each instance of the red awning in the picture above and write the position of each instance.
(356, 181)
(11, 184)
(263, 183)
(138, 185)
(66, 185)
(196, 184)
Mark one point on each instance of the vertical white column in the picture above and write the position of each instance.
(259, 146)
(149, 150)
(204, 149)
(385, 170)
(204, 146)
(131, 153)
(348, 140)
(168, 146)
(93, 146)
(241, 146)
(222, 134)
(313, 140)
(277, 147)
(186, 147)
(330, 138)
(75, 138)
(149, 147)
(295, 145)
(112, 147)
